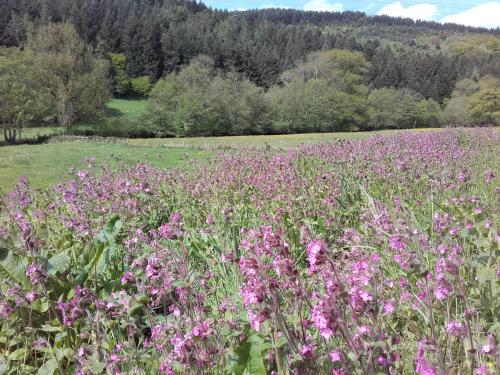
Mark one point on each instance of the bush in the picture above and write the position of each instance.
(314, 106)
(202, 102)
(401, 109)
(141, 86)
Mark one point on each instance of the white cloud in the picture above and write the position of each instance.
(484, 15)
(422, 11)
(322, 5)
(275, 6)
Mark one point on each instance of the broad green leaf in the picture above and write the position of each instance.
(48, 368)
(110, 231)
(12, 266)
(17, 355)
(238, 359)
(98, 367)
(255, 364)
(58, 263)
(40, 305)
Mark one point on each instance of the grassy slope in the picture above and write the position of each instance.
(129, 109)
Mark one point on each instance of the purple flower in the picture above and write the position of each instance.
(397, 242)
(389, 307)
(455, 329)
(336, 355)
(306, 351)
(316, 251)
(36, 273)
(489, 175)
(325, 318)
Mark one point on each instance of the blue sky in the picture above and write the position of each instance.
(468, 12)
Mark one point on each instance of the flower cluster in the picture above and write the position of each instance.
(363, 256)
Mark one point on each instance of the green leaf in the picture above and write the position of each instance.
(47, 328)
(98, 367)
(17, 355)
(48, 367)
(248, 357)
(58, 263)
(105, 244)
(40, 305)
(63, 353)
(13, 266)
(110, 231)
(255, 364)
(238, 359)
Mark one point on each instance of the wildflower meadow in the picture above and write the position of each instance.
(371, 256)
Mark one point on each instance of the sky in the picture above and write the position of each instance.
(482, 13)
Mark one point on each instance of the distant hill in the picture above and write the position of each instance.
(160, 36)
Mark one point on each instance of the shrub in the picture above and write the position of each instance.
(141, 86)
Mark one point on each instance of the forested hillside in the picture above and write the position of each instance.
(146, 40)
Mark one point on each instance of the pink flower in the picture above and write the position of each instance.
(485, 370)
(336, 355)
(388, 307)
(324, 318)
(423, 366)
(316, 254)
(307, 351)
(396, 242)
(455, 329)
(31, 296)
(443, 288)
(490, 347)
(256, 320)
(202, 330)
(489, 175)
(82, 174)
(35, 273)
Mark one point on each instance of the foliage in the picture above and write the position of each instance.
(200, 101)
(67, 69)
(343, 70)
(401, 108)
(484, 106)
(269, 48)
(473, 101)
(23, 101)
(121, 80)
(361, 257)
(314, 106)
(160, 37)
(123, 84)
(141, 86)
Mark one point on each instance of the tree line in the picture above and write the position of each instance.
(158, 37)
(323, 93)
(211, 72)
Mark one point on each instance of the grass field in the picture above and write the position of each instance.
(129, 109)
(46, 164)
(274, 141)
